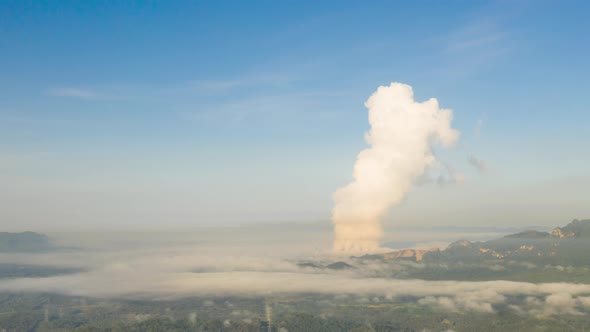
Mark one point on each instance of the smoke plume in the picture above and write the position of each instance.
(403, 132)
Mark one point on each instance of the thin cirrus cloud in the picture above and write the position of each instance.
(483, 36)
(103, 94)
(220, 86)
(471, 46)
(191, 88)
(71, 92)
(213, 86)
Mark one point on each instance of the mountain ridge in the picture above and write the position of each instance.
(528, 243)
(24, 242)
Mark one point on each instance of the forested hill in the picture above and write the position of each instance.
(24, 242)
(567, 245)
(575, 229)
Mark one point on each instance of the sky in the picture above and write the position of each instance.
(151, 114)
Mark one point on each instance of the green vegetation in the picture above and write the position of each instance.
(577, 229)
(532, 256)
(309, 313)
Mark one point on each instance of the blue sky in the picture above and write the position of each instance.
(145, 113)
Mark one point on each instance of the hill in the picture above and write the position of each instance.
(575, 229)
(532, 256)
(24, 242)
(564, 245)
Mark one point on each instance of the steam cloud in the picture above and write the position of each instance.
(402, 135)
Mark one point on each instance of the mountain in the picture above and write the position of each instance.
(575, 229)
(532, 256)
(24, 242)
(529, 235)
(410, 254)
(333, 266)
(563, 246)
(339, 266)
(529, 256)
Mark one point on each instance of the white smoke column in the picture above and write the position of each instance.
(401, 139)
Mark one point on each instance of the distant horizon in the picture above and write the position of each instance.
(390, 226)
(325, 225)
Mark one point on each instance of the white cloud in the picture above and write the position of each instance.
(401, 139)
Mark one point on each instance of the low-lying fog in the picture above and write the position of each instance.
(262, 261)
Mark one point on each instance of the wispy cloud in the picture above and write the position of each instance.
(477, 43)
(480, 165)
(220, 86)
(104, 93)
(213, 86)
(474, 38)
(479, 125)
(442, 173)
(275, 107)
(71, 92)
(197, 88)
